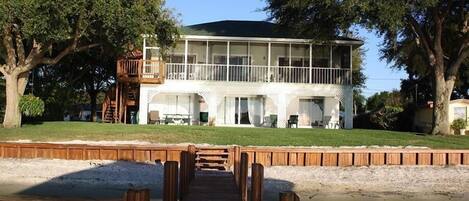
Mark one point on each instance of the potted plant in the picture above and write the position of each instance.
(459, 124)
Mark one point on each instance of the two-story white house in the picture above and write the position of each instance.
(244, 73)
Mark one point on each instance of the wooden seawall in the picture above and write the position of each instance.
(264, 156)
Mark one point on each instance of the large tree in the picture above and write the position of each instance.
(43, 32)
(440, 28)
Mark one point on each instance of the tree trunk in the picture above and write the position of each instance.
(93, 94)
(443, 89)
(12, 117)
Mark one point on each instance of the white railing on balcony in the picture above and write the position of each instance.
(253, 73)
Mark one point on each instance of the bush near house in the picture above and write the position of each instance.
(385, 118)
(459, 124)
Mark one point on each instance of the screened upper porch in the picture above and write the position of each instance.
(251, 61)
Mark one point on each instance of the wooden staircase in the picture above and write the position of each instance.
(109, 107)
(115, 110)
(216, 158)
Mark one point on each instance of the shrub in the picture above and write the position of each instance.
(31, 106)
(459, 124)
(385, 118)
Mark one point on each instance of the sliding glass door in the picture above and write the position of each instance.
(241, 111)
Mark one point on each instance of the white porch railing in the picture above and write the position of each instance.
(253, 73)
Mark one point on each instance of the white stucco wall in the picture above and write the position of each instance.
(280, 98)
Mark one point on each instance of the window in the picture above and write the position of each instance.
(460, 113)
(283, 61)
(179, 59)
(300, 62)
(321, 56)
(295, 62)
(234, 60)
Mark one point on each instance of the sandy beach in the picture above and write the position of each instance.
(40, 179)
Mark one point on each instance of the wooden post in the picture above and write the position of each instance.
(170, 188)
(184, 174)
(243, 177)
(257, 180)
(288, 196)
(137, 195)
(236, 165)
(192, 149)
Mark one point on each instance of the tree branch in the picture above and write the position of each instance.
(438, 35)
(424, 39)
(8, 44)
(454, 68)
(65, 52)
(19, 47)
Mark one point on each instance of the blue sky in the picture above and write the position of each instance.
(380, 76)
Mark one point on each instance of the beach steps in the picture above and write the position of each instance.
(212, 158)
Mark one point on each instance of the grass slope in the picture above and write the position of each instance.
(64, 131)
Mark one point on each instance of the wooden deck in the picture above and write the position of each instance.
(213, 185)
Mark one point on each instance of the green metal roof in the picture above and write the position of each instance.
(233, 28)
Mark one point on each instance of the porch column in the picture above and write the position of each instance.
(310, 63)
(143, 106)
(269, 51)
(282, 111)
(348, 104)
(186, 51)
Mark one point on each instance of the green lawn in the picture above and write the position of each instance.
(64, 131)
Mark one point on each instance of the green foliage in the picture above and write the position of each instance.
(31, 106)
(459, 124)
(384, 98)
(384, 118)
(387, 117)
(114, 22)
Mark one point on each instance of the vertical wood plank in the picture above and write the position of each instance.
(345, 159)
(409, 158)
(465, 159)
(300, 159)
(251, 157)
(108, 154)
(75, 154)
(243, 180)
(125, 154)
(454, 158)
(158, 155)
(174, 155)
(279, 159)
(438, 159)
(170, 187)
(424, 158)
(393, 158)
(264, 158)
(257, 183)
(142, 155)
(329, 159)
(92, 154)
(27, 152)
(377, 159)
(11, 152)
(292, 159)
(361, 159)
(313, 159)
(59, 153)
